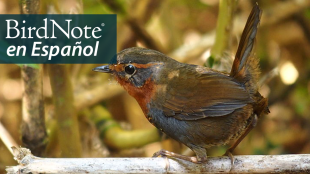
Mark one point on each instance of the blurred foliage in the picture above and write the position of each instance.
(184, 30)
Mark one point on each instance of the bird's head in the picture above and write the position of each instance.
(138, 70)
(135, 66)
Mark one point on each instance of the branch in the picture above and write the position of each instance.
(243, 164)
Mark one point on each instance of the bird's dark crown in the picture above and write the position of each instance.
(141, 56)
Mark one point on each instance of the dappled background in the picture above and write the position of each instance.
(87, 114)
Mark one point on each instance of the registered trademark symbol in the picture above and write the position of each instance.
(102, 24)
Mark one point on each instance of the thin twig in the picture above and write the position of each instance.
(7, 139)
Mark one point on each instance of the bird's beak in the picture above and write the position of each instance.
(104, 69)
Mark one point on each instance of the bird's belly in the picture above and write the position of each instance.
(206, 132)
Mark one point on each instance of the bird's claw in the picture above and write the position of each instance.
(232, 158)
(162, 152)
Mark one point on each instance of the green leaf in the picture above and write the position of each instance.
(210, 62)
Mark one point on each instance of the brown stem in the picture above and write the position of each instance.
(66, 118)
(33, 127)
(224, 27)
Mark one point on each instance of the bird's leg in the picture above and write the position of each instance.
(232, 148)
(201, 155)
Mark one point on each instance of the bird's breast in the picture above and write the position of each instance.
(142, 94)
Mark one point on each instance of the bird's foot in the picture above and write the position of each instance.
(165, 153)
(232, 159)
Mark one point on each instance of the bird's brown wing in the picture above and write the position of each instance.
(196, 96)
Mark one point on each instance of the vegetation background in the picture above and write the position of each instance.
(80, 113)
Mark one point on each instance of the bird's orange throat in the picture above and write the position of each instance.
(142, 94)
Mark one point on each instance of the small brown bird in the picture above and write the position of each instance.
(197, 106)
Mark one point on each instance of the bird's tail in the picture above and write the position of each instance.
(245, 68)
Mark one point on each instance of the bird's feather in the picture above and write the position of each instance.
(211, 94)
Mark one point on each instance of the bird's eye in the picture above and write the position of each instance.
(130, 69)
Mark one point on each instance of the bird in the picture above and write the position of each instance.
(198, 106)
